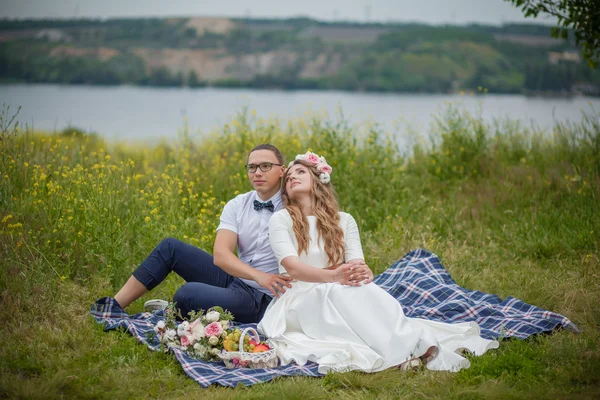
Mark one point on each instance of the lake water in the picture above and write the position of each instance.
(141, 113)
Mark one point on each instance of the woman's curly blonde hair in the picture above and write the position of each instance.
(325, 208)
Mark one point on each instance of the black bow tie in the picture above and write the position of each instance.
(268, 205)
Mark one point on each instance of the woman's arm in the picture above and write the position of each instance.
(354, 254)
(286, 252)
(307, 273)
(361, 271)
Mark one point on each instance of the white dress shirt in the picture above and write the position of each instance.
(252, 228)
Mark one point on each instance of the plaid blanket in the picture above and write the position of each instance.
(418, 281)
(426, 290)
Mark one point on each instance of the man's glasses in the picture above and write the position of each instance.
(264, 167)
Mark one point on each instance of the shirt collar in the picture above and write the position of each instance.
(276, 199)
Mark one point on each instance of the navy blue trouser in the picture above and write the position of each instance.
(207, 285)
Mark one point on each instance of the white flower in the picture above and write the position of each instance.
(170, 334)
(199, 349)
(212, 316)
(161, 324)
(224, 324)
(213, 340)
(185, 325)
(183, 328)
(198, 332)
(216, 351)
(324, 177)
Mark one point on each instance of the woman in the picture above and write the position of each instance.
(327, 316)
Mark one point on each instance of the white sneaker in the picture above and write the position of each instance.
(155, 305)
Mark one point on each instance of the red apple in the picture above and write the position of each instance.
(260, 348)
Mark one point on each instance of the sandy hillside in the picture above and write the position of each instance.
(215, 25)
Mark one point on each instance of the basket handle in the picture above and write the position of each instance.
(244, 332)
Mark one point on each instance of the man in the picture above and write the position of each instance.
(243, 285)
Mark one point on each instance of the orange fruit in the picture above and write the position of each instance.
(260, 348)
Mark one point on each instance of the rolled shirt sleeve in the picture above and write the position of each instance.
(228, 218)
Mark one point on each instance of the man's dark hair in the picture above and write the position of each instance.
(272, 148)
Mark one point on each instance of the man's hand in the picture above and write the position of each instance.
(274, 282)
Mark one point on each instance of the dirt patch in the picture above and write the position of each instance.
(215, 25)
(208, 64)
(102, 53)
(214, 64)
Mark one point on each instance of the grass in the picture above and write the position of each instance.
(509, 211)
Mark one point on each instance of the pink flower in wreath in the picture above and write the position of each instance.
(312, 158)
(327, 169)
(213, 329)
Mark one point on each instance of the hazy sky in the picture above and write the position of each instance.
(429, 11)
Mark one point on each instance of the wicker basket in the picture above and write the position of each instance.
(243, 359)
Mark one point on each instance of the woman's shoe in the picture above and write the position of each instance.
(411, 365)
(155, 305)
(463, 351)
(430, 354)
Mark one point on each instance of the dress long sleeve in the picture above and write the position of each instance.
(280, 237)
(353, 248)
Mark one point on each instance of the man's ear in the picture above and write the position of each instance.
(282, 173)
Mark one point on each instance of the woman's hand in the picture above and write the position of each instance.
(361, 272)
(342, 274)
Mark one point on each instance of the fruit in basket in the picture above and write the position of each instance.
(228, 345)
(260, 348)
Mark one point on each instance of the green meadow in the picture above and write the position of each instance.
(509, 209)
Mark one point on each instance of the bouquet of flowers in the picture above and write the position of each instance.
(200, 336)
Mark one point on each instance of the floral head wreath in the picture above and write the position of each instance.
(319, 162)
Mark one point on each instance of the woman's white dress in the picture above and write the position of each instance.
(346, 328)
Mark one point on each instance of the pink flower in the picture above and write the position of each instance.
(195, 323)
(327, 169)
(312, 158)
(186, 340)
(213, 329)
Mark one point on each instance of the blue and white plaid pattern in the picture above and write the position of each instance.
(418, 281)
(426, 290)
